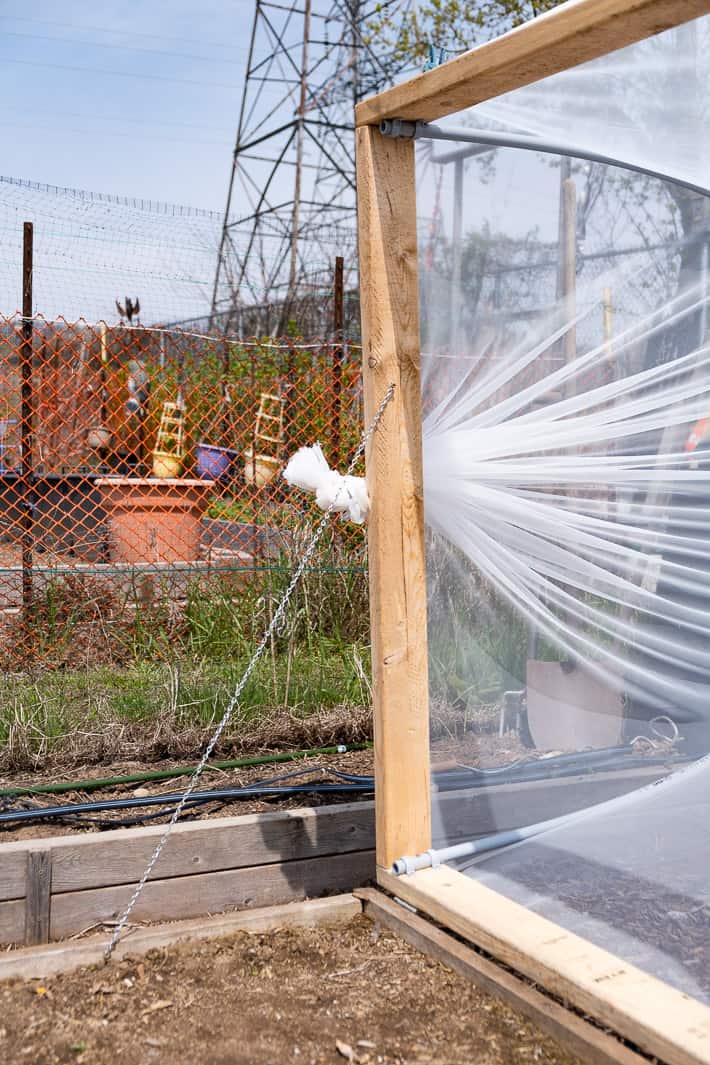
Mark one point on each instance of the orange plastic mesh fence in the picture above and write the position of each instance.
(135, 457)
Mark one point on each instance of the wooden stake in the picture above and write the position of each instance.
(390, 334)
(39, 895)
(569, 267)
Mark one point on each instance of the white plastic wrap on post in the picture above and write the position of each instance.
(308, 469)
(586, 507)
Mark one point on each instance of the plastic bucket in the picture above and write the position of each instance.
(213, 462)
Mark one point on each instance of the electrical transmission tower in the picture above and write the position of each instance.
(291, 201)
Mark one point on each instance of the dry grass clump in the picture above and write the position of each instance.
(157, 713)
(95, 672)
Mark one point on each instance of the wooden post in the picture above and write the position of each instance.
(456, 249)
(569, 264)
(338, 353)
(39, 895)
(390, 344)
(27, 417)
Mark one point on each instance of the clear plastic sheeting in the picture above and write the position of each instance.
(645, 105)
(631, 877)
(566, 443)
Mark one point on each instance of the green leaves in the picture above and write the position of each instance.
(455, 25)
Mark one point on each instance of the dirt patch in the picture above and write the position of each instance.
(315, 769)
(315, 997)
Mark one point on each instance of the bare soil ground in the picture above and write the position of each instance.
(315, 997)
(472, 749)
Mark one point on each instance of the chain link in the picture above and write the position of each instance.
(233, 702)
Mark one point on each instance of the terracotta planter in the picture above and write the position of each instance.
(154, 519)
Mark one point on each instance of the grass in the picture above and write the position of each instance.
(95, 672)
(164, 710)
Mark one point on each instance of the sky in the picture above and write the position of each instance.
(138, 98)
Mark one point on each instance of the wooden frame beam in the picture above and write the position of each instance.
(573, 33)
(390, 346)
(577, 1034)
(651, 1014)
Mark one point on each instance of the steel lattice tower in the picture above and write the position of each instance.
(291, 202)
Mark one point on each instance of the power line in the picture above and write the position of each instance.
(120, 47)
(120, 73)
(124, 33)
(110, 133)
(135, 120)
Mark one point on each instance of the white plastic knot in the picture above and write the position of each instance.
(308, 469)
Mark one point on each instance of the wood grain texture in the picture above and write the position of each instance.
(39, 896)
(579, 1036)
(652, 1015)
(120, 856)
(390, 335)
(263, 885)
(12, 921)
(40, 962)
(570, 34)
(13, 868)
(104, 859)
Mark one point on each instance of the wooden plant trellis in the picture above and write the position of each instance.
(643, 1009)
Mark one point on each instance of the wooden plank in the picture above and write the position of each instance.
(41, 962)
(120, 856)
(458, 816)
(39, 896)
(12, 921)
(390, 345)
(576, 1034)
(570, 34)
(102, 859)
(13, 867)
(262, 885)
(652, 1015)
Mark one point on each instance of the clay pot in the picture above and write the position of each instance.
(154, 519)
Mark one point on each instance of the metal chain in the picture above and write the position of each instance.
(265, 640)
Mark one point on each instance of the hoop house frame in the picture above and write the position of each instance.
(654, 1016)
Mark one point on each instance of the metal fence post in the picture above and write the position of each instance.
(27, 417)
(338, 353)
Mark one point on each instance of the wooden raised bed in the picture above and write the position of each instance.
(55, 887)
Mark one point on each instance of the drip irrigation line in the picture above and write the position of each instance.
(100, 784)
(584, 763)
(196, 798)
(453, 780)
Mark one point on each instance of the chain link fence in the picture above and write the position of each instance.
(141, 467)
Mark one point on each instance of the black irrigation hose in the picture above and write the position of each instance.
(454, 779)
(221, 795)
(587, 762)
